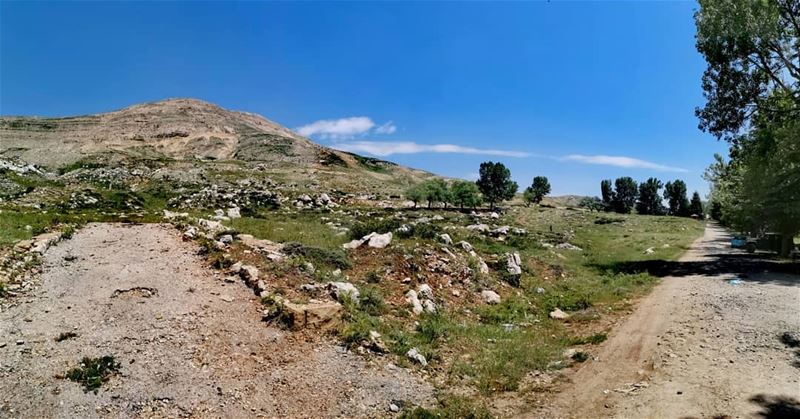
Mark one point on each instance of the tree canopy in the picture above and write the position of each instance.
(465, 194)
(649, 201)
(752, 91)
(495, 182)
(675, 194)
(537, 191)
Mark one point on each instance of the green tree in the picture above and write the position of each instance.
(465, 194)
(416, 194)
(607, 193)
(752, 49)
(537, 191)
(696, 204)
(752, 91)
(675, 194)
(495, 183)
(436, 191)
(649, 201)
(592, 203)
(625, 193)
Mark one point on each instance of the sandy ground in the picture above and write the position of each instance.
(190, 344)
(699, 346)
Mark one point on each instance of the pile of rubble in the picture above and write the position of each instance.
(249, 194)
(305, 201)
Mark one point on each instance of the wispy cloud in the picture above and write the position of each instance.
(345, 128)
(621, 161)
(387, 128)
(381, 148)
(337, 128)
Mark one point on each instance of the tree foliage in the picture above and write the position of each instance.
(752, 49)
(607, 194)
(465, 194)
(696, 204)
(649, 201)
(675, 194)
(537, 191)
(752, 91)
(625, 194)
(495, 183)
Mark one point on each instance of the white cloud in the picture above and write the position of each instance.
(345, 128)
(380, 148)
(337, 128)
(387, 128)
(621, 161)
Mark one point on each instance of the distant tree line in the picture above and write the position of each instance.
(494, 185)
(625, 195)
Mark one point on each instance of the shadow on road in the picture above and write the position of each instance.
(719, 260)
(777, 407)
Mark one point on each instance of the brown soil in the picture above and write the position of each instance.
(190, 344)
(697, 347)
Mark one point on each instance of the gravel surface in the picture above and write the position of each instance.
(189, 344)
(699, 346)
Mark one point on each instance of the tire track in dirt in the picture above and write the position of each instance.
(698, 346)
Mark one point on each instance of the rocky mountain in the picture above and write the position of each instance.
(187, 133)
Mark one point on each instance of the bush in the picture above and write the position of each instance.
(371, 301)
(336, 258)
(376, 225)
(93, 372)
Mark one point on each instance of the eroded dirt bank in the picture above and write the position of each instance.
(189, 343)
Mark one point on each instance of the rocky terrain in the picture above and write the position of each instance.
(177, 259)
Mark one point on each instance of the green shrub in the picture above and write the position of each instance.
(336, 258)
(373, 225)
(371, 301)
(449, 408)
(93, 372)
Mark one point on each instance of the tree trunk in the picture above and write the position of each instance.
(429, 204)
(787, 243)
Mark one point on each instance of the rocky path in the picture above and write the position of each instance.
(189, 344)
(708, 342)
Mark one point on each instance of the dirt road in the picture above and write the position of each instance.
(190, 344)
(700, 345)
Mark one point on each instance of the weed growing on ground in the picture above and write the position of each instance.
(64, 336)
(451, 407)
(93, 372)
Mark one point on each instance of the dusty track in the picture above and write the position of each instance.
(194, 347)
(699, 346)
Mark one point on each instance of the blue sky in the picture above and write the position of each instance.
(577, 92)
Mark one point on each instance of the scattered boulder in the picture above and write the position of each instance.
(494, 215)
(466, 246)
(424, 291)
(650, 251)
(413, 299)
(478, 227)
(446, 239)
(234, 212)
(558, 314)
(568, 246)
(342, 290)
(226, 239)
(429, 306)
(513, 263)
(249, 274)
(490, 297)
(314, 314)
(379, 241)
(414, 355)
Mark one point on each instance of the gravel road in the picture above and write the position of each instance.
(190, 344)
(714, 340)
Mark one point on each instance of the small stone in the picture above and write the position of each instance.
(414, 355)
(558, 314)
(20, 342)
(394, 408)
(490, 297)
